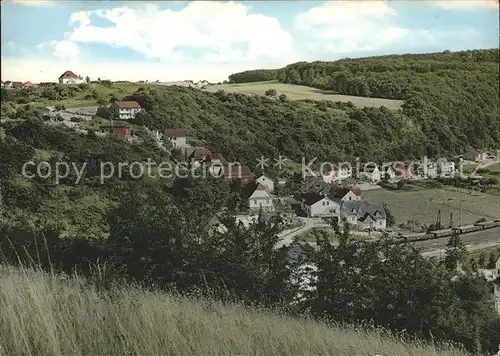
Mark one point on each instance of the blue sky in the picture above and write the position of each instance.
(175, 40)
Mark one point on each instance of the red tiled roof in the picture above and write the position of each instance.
(175, 132)
(68, 74)
(128, 104)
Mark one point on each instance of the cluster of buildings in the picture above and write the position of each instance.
(68, 77)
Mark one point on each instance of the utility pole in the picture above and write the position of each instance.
(460, 212)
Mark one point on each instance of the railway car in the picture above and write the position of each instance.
(488, 224)
(466, 229)
(442, 233)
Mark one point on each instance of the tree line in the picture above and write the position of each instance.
(452, 97)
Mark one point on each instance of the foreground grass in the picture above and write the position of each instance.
(41, 314)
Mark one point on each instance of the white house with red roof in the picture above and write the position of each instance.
(70, 77)
(125, 110)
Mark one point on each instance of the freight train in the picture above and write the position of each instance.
(449, 232)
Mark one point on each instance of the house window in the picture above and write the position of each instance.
(323, 203)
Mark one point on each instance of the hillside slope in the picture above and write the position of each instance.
(453, 96)
(245, 127)
(42, 314)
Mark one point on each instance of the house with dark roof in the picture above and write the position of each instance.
(320, 205)
(177, 137)
(7, 84)
(17, 85)
(69, 77)
(233, 171)
(125, 110)
(363, 214)
(197, 156)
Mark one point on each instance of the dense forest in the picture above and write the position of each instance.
(453, 97)
(244, 127)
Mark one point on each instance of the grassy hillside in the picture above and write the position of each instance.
(42, 314)
(74, 96)
(451, 96)
(301, 92)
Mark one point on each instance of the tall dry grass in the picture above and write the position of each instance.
(44, 314)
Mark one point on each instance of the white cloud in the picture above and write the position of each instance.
(351, 26)
(32, 2)
(66, 50)
(465, 5)
(222, 31)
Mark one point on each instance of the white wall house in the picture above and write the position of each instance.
(266, 182)
(317, 205)
(177, 137)
(430, 171)
(261, 199)
(125, 110)
(371, 174)
(445, 168)
(69, 77)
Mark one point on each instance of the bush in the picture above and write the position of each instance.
(271, 92)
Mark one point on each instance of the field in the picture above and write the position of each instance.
(300, 92)
(423, 205)
(41, 314)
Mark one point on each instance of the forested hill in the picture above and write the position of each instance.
(453, 96)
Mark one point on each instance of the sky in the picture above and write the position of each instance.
(196, 40)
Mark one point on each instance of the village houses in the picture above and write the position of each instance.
(337, 174)
(343, 204)
(125, 110)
